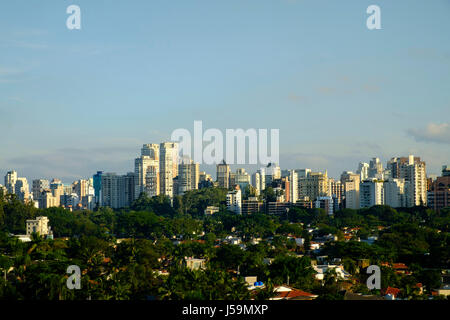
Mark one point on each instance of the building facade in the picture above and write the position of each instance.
(439, 191)
(223, 175)
(168, 167)
(188, 176)
(371, 193)
(234, 200)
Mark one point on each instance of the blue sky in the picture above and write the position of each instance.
(76, 101)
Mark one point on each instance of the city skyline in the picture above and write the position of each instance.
(212, 169)
(161, 170)
(180, 159)
(76, 101)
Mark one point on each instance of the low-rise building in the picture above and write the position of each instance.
(211, 210)
(39, 225)
(252, 206)
(194, 263)
(322, 269)
(285, 292)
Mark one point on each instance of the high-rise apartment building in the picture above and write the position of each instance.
(205, 180)
(272, 172)
(439, 191)
(147, 174)
(396, 192)
(22, 189)
(282, 188)
(232, 179)
(242, 178)
(152, 186)
(363, 171)
(293, 179)
(118, 190)
(413, 170)
(188, 176)
(256, 183)
(314, 185)
(445, 171)
(336, 191)
(234, 200)
(375, 169)
(252, 205)
(10, 181)
(303, 173)
(168, 167)
(397, 166)
(57, 189)
(260, 180)
(97, 181)
(371, 193)
(326, 203)
(223, 175)
(350, 182)
(81, 187)
(48, 200)
(38, 186)
(150, 150)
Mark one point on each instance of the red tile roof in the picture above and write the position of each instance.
(399, 266)
(393, 291)
(293, 294)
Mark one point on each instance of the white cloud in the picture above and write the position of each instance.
(434, 132)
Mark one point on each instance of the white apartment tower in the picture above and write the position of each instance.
(151, 150)
(363, 171)
(147, 176)
(371, 193)
(262, 179)
(396, 192)
(417, 176)
(10, 181)
(168, 167)
(293, 186)
(188, 176)
(351, 182)
(256, 182)
(22, 189)
(146, 169)
(413, 170)
(234, 201)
